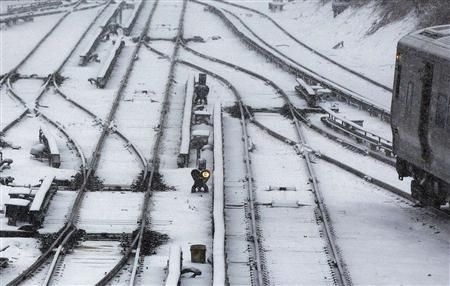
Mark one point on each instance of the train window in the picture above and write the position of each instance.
(424, 119)
(441, 110)
(409, 96)
(397, 80)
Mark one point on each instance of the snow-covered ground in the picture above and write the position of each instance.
(382, 238)
(18, 40)
(312, 23)
(52, 52)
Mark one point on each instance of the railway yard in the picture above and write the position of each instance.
(198, 142)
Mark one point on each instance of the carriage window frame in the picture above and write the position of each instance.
(398, 78)
(441, 117)
(408, 96)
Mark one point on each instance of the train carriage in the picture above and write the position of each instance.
(420, 113)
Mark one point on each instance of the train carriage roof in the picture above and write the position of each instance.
(433, 40)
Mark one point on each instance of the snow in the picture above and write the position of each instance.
(165, 20)
(58, 211)
(10, 108)
(18, 202)
(372, 55)
(110, 212)
(92, 259)
(27, 170)
(118, 164)
(383, 239)
(187, 113)
(173, 265)
(236, 247)
(229, 48)
(41, 193)
(219, 265)
(44, 62)
(18, 40)
(22, 252)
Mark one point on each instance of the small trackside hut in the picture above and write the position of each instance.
(41, 201)
(31, 205)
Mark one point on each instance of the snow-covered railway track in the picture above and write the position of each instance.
(327, 156)
(278, 90)
(28, 91)
(258, 271)
(400, 207)
(306, 46)
(338, 161)
(296, 68)
(67, 234)
(136, 248)
(43, 62)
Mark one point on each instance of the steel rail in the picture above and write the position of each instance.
(66, 231)
(137, 242)
(106, 129)
(14, 70)
(308, 47)
(337, 265)
(257, 267)
(7, 77)
(345, 143)
(337, 89)
(324, 80)
(327, 158)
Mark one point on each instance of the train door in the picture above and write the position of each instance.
(424, 119)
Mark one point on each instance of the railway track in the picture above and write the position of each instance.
(68, 231)
(306, 46)
(136, 247)
(13, 76)
(296, 68)
(45, 37)
(334, 161)
(259, 275)
(278, 90)
(298, 116)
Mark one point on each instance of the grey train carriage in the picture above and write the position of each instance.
(420, 113)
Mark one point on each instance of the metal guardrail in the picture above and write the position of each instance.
(361, 135)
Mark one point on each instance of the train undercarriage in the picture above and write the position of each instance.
(426, 188)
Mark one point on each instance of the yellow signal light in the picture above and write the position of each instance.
(398, 57)
(205, 174)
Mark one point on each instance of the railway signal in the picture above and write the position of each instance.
(200, 178)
